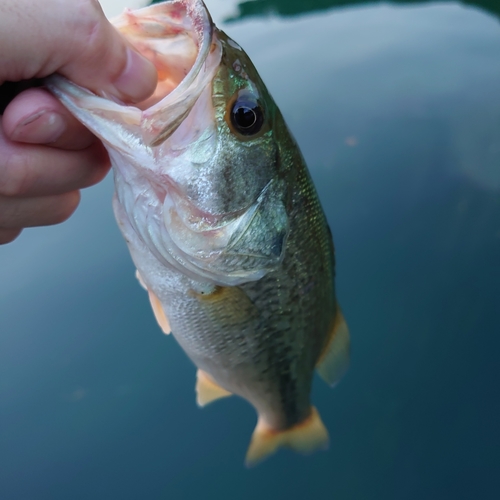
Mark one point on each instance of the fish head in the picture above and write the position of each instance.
(198, 167)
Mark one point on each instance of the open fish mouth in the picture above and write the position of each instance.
(178, 38)
(153, 144)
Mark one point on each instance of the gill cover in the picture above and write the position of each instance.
(170, 154)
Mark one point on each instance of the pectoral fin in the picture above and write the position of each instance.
(158, 311)
(305, 437)
(334, 360)
(207, 390)
(139, 279)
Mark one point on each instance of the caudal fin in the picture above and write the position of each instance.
(305, 437)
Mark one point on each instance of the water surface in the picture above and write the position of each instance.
(397, 110)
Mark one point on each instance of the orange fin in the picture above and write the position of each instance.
(306, 437)
(158, 311)
(207, 390)
(334, 360)
(139, 279)
(160, 315)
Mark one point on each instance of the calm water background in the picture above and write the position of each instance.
(397, 110)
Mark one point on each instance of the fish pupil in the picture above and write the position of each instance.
(247, 118)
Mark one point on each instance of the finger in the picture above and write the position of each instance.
(8, 235)
(33, 170)
(78, 42)
(35, 116)
(17, 213)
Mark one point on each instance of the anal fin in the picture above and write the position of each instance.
(306, 437)
(334, 360)
(207, 390)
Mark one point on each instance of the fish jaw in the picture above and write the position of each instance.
(178, 37)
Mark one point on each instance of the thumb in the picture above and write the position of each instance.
(76, 40)
(104, 62)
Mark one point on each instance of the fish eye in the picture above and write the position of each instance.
(247, 117)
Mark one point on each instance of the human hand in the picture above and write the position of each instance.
(46, 156)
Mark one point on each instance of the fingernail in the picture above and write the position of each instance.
(42, 127)
(138, 80)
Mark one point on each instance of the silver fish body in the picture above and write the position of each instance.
(223, 223)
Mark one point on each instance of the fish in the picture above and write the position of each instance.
(223, 223)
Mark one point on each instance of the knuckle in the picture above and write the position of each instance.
(12, 213)
(32, 212)
(96, 42)
(90, 20)
(99, 163)
(91, 30)
(68, 204)
(15, 175)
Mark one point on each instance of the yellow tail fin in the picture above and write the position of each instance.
(306, 437)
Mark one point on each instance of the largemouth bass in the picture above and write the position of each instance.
(223, 223)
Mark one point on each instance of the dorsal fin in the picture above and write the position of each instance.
(334, 359)
(207, 390)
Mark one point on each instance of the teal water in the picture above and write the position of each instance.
(397, 111)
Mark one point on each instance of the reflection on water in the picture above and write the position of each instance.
(397, 112)
(294, 7)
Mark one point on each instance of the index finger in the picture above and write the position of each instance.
(36, 117)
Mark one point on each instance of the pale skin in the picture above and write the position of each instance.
(46, 156)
